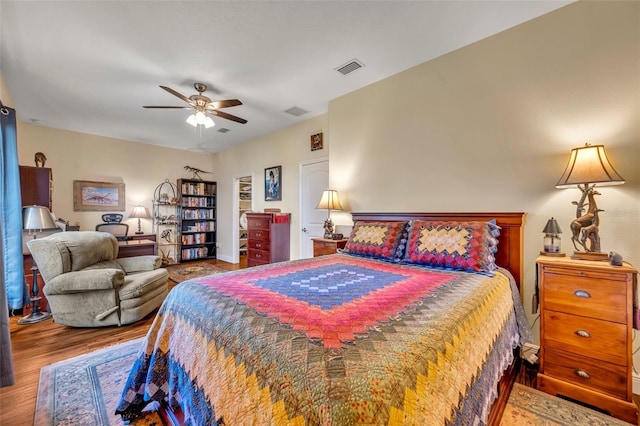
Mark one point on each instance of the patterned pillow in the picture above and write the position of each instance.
(380, 240)
(465, 246)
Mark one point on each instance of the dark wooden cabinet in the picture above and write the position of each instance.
(36, 186)
(323, 246)
(267, 238)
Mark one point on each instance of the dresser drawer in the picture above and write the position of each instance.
(603, 340)
(610, 379)
(255, 257)
(257, 223)
(259, 244)
(585, 293)
(258, 234)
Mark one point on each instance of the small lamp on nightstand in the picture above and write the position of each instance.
(552, 239)
(36, 218)
(140, 212)
(329, 201)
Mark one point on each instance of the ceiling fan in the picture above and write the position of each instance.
(202, 106)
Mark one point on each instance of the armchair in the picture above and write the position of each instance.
(87, 286)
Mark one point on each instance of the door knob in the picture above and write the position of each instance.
(304, 229)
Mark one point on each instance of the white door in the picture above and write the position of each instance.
(314, 178)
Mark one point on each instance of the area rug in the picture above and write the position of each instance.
(188, 270)
(85, 390)
(528, 407)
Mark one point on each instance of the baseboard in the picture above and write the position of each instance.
(636, 383)
(224, 258)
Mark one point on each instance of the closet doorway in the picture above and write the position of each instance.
(245, 204)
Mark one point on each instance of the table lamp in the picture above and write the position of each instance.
(329, 201)
(588, 166)
(140, 212)
(36, 218)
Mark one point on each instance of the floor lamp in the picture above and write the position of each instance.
(34, 219)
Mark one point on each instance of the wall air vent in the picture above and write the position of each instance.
(350, 67)
(296, 111)
(223, 130)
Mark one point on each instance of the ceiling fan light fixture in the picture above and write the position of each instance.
(200, 117)
(192, 120)
(208, 122)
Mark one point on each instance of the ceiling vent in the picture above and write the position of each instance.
(223, 130)
(296, 111)
(350, 67)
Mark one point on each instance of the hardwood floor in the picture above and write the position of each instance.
(44, 343)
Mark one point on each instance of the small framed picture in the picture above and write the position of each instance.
(316, 141)
(272, 183)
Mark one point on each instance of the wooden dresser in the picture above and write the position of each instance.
(267, 238)
(586, 330)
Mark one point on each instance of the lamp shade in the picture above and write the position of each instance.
(329, 200)
(552, 227)
(140, 212)
(589, 165)
(36, 218)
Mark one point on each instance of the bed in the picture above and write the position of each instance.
(416, 322)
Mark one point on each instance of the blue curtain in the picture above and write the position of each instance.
(11, 212)
(13, 291)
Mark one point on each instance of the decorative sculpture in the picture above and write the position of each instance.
(40, 159)
(196, 172)
(585, 226)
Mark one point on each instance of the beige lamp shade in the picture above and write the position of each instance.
(37, 218)
(140, 212)
(329, 200)
(589, 165)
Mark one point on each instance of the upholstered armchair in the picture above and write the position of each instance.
(88, 286)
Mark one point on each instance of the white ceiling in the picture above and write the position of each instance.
(90, 66)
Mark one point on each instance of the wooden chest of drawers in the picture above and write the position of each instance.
(267, 238)
(586, 328)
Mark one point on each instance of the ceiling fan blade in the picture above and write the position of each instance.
(180, 95)
(224, 104)
(172, 107)
(228, 116)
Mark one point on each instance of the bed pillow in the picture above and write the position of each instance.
(464, 246)
(380, 240)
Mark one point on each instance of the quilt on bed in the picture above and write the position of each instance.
(333, 340)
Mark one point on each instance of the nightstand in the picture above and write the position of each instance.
(324, 246)
(586, 331)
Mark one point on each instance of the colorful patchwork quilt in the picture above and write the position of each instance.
(334, 340)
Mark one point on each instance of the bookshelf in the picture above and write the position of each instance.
(197, 205)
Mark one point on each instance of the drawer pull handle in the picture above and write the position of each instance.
(258, 234)
(258, 245)
(258, 255)
(583, 333)
(582, 293)
(581, 373)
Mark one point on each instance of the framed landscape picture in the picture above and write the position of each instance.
(97, 196)
(272, 183)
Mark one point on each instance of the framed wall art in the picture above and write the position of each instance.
(316, 141)
(97, 196)
(272, 183)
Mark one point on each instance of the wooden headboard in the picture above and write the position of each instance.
(510, 246)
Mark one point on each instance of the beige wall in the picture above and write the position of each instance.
(490, 126)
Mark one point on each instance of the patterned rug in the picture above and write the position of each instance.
(529, 407)
(185, 271)
(85, 390)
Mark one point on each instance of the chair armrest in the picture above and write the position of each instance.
(139, 263)
(83, 281)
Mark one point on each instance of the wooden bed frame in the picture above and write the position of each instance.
(509, 256)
